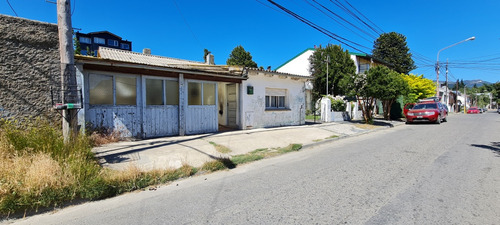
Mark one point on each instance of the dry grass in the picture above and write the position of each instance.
(366, 126)
(221, 148)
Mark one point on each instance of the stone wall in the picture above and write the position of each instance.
(29, 68)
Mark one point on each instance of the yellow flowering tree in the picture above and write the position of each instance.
(420, 88)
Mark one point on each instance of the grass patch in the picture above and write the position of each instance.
(220, 148)
(333, 136)
(262, 153)
(246, 158)
(218, 164)
(290, 148)
(312, 117)
(37, 169)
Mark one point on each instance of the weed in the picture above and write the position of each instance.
(290, 148)
(220, 148)
(333, 136)
(219, 164)
(245, 158)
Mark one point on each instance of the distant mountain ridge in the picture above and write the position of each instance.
(468, 83)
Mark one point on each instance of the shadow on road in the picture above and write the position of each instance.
(495, 147)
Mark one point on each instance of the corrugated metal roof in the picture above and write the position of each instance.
(160, 61)
(134, 57)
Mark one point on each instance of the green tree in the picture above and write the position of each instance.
(392, 49)
(419, 88)
(240, 57)
(387, 85)
(77, 46)
(340, 68)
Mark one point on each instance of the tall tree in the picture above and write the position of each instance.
(240, 57)
(340, 67)
(392, 49)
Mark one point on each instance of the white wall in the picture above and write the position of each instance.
(298, 65)
(253, 109)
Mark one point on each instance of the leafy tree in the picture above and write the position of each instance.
(240, 57)
(387, 85)
(392, 49)
(77, 46)
(419, 88)
(340, 67)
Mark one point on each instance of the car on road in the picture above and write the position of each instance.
(473, 110)
(498, 110)
(427, 111)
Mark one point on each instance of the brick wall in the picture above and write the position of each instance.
(29, 67)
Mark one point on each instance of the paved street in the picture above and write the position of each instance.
(410, 174)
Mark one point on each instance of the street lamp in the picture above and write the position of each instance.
(437, 62)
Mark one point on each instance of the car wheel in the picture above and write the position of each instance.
(445, 119)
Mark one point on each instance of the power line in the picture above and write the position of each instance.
(12, 8)
(335, 14)
(187, 24)
(342, 6)
(320, 29)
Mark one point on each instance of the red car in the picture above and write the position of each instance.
(433, 112)
(473, 110)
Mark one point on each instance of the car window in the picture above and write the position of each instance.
(425, 106)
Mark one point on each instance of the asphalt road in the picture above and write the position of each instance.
(410, 174)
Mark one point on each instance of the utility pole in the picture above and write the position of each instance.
(69, 89)
(446, 83)
(327, 64)
(456, 98)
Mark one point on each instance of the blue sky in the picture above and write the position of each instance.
(183, 28)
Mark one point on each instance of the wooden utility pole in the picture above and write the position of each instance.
(69, 88)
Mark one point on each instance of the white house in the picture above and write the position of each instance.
(272, 99)
(300, 65)
(144, 96)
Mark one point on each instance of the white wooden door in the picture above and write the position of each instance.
(201, 113)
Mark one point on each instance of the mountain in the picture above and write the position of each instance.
(479, 83)
(468, 83)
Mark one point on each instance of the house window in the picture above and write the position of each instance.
(85, 40)
(124, 46)
(112, 90)
(98, 40)
(126, 90)
(101, 89)
(154, 92)
(161, 92)
(276, 98)
(112, 42)
(364, 68)
(201, 93)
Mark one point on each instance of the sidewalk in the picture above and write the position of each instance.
(195, 150)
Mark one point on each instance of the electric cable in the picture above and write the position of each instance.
(12, 8)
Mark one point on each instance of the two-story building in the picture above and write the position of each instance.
(92, 41)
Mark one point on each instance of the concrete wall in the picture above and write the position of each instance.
(253, 108)
(29, 67)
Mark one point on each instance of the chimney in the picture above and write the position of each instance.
(146, 51)
(210, 59)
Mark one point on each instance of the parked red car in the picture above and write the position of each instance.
(429, 111)
(473, 110)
